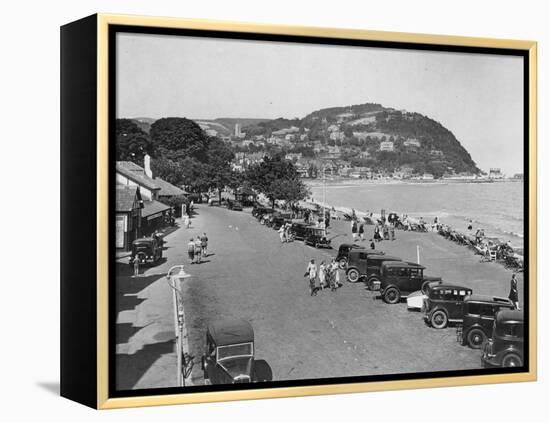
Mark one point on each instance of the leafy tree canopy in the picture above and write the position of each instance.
(132, 142)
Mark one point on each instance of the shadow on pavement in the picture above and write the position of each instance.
(124, 331)
(131, 367)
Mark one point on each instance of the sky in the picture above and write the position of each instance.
(477, 97)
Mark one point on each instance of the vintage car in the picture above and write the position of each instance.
(317, 238)
(234, 205)
(278, 219)
(362, 265)
(343, 253)
(145, 250)
(444, 304)
(479, 317)
(300, 230)
(259, 211)
(505, 347)
(399, 278)
(415, 300)
(229, 354)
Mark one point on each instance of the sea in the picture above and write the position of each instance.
(496, 207)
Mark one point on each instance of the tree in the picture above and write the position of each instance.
(132, 143)
(277, 179)
(178, 138)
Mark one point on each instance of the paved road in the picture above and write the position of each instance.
(249, 274)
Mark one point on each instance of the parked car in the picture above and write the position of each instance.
(479, 318)
(344, 249)
(146, 250)
(362, 265)
(278, 219)
(316, 237)
(229, 354)
(505, 347)
(415, 300)
(445, 304)
(300, 230)
(234, 205)
(398, 278)
(259, 211)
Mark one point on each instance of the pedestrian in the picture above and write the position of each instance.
(204, 243)
(198, 250)
(191, 250)
(372, 246)
(362, 232)
(322, 275)
(513, 295)
(136, 267)
(334, 275)
(311, 273)
(354, 230)
(392, 232)
(282, 233)
(386, 232)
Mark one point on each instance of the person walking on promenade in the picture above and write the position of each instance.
(322, 275)
(204, 243)
(361, 232)
(513, 295)
(136, 267)
(198, 250)
(392, 232)
(282, 233)
(354, 230)
(334, 275)
(311, 273)
(191, 250)
(386, 232)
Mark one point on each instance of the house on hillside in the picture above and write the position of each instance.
(412, 142)
(386, 146)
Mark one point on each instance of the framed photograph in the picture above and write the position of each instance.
(255, 211)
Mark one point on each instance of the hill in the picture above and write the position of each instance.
(375, 136)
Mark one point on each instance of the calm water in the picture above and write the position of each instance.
(496, 207)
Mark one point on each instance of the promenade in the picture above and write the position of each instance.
(250, 274)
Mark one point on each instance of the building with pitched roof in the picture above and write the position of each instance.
(128, 207)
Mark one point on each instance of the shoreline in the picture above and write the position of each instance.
(371, 218)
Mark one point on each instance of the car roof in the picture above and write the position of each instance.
(402, 264)
(137, 241)
(509, 316)
(230, 331)
(487, 299)
(448, 286)
(345, 244)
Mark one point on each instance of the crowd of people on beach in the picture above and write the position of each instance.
(328, 276)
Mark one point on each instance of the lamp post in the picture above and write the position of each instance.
(175, 281)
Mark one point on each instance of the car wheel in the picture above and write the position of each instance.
(392, 296)
(475, 338)
(342, 263)
(511, 360)
(353, 275)
(439, 319)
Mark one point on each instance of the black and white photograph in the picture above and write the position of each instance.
(294, 211)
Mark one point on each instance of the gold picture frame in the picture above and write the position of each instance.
(100, 265)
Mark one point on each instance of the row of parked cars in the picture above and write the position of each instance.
(482, 322)
(300, 231)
